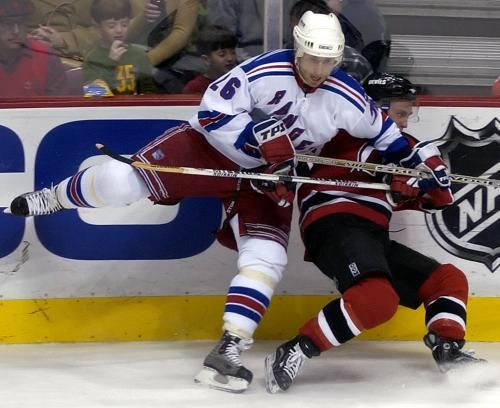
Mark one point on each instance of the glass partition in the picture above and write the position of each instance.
(97, 48)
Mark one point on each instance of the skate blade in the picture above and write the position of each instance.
(213, 379)
(272, 386)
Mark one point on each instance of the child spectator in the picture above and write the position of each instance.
(27, 67)
(67, 27)
(217, 48)
(115, 66)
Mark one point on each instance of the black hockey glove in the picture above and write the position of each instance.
(281, 193)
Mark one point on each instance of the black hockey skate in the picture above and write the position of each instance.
(449, 354)
(41, 202)
(283, 366)
(222, 368)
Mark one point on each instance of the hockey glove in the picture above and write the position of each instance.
(405, 194)
(403, 189)
(281, 193)
(436, 199)
(273, 142)
(426, 156)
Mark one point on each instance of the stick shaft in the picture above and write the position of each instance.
(382, 168)
(241, 174)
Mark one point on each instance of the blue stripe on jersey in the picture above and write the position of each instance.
(269, 58)
(245, 135)
(345, 95)
(388, 122)
(79, 191)
(216, 125)
(243, 311)
(206, 118)
(397, 150)
(270, 73)
(241, 290)
(349, 81)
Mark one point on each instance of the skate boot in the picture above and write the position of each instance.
(41, 202)
(222, 368)
(448, 353)
(283, 366)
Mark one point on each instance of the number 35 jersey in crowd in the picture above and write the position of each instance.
(269, 84)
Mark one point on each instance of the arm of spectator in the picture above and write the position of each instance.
(184, 22)
(222, 13)
(79, 41)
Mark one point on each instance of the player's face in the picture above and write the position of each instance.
(400, 112)
(112, 30)
(12, 33)
(315, 70)
(222, 61)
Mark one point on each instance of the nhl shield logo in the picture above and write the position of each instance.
(470, 228)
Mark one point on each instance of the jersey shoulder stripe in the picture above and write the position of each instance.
(341, 91)
(270, 73)
(272, 57)
(349, 81)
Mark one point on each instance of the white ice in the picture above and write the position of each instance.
(389, 374)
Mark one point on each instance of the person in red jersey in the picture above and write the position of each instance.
(345, 232)
(27, 67)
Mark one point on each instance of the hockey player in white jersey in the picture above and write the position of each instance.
(308, 100)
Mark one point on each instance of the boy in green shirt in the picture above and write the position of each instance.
(115, 67)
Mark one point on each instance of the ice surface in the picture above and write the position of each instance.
(371, 374)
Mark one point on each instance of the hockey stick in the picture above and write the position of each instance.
(383, 168)
(241, 174)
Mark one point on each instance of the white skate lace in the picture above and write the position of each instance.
(43, 202)
(294, 362)
(233, 352)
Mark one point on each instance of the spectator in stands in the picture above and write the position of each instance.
(121, 68)
(353, 62)
(243, 18)
(166, 27)
(27, 67)
(217, 48)
(66, 25)
(366, 17)
(353, 38)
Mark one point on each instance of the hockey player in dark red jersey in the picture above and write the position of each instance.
(345, 232)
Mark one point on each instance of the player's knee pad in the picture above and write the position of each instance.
(118, 184)
(262, 260)
(445, 280)
(371, 301)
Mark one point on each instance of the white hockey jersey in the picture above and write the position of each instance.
(268, 83)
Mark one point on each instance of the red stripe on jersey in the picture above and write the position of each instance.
(208, 121)
(269, 67)
(74, 192)
(349, 90)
